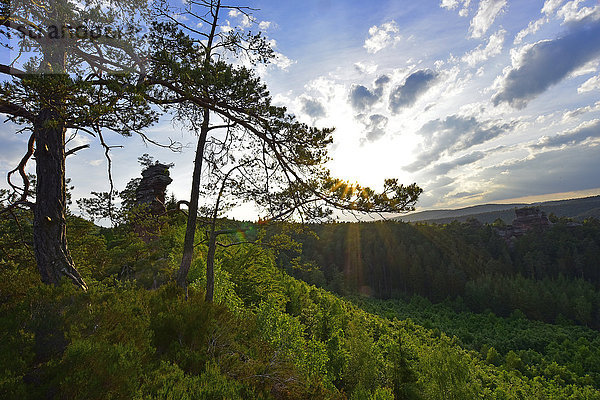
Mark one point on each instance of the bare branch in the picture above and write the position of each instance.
(76, 149)
(109, 167)
(12, 71)
(21, 170)
(15, 110)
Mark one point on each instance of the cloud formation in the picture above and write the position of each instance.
(414, 86)
(361, 98)
(550, 6)
(485, 16)
(591, 84)
(453, 134)
(532, 28)
(564, 170)
(453, 4)
(376, 127)
(445, 167)
(380, 84)
(493, 48)
(585, 131)
(547, 62)
(572, 12)
(581, 111)
(313, 108)
(281, 61)
(382, 36)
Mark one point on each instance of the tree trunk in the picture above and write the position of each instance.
(49, 217)
(210, 265)
(190, 231)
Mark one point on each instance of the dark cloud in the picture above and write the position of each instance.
(444, 168)
(454, 134)
(464, 195)
(548, 62)
(376, 125)
(313, 108)
(380, 84)
(362, 98)
(565, 170)
(414, 86)
(382, 80)
(576, 136)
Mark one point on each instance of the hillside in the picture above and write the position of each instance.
(267, 336)
(578, 209)
(452, 214)
(549, 275)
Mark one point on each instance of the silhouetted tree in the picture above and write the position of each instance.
(262, 153)
(73, 67)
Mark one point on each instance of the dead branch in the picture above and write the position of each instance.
(76, 149)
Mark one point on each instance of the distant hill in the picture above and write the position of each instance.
(577, 209)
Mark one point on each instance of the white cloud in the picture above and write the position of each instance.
(179, 17)
(365, 68)
(572, 12)
(493, 48)
(550, 6)
(586, 69)
(569, 115)
(282, 62)
(591, 84)
(264, 25)
(532, 28)
(449, 4)
(226, 28)
(486, 14)
(247, 21)
(586, 131)
(382, 36)
(453, 4)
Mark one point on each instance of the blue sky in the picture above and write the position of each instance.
(475, 100)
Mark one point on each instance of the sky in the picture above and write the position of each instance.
(477, 101)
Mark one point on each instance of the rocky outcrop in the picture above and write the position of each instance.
(527, 219)
(153, 187)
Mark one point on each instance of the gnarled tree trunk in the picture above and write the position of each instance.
(49, 222)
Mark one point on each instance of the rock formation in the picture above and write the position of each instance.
(152, 188)
(528, 219)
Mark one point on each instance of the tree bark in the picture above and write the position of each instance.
(49, 217)
(190, 231)
(210, 265)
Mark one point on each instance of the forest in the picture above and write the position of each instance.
(549, 275)
(135, 334)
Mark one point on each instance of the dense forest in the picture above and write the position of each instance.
(551, 275)
(135, 335)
